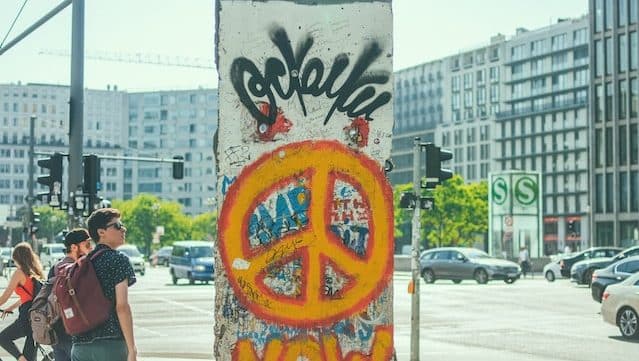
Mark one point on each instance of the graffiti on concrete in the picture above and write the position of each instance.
(356, 96)
(307, 275)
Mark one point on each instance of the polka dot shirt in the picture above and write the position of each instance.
(111, 267)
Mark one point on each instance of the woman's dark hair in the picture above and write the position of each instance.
(99, 219)
(27, 260)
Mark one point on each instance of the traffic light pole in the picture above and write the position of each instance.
(30, 197)
(76, 104)
(415, 235)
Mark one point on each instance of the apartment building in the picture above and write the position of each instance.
(104, 127)
(159, 124)
(419, 108)
(544, 124)
(164, 124)
(518, 103)
(474, 96)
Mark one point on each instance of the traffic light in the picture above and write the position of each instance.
(178, 167)
(91, 182)
(407, 200)
(435, 174)
(35, 221)
(53, 180)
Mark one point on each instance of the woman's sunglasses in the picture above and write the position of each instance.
(116, 225)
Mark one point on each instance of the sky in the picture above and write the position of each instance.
(183, 31)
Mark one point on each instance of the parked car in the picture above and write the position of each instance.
(192, 260)
(51, 253)
(459, 263)
(593, 252)
(612, 274)
(552, 270)
(620, 306)
(581, 272)
(6, 253)
(163, 255)
(135, 257)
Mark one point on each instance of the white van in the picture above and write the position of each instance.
(51, 253)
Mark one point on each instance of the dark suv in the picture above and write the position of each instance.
(581, 272)
(593, 252)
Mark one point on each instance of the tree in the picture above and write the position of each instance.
(145, 212)
(204, 227)
(460, 213)
(402, 217)
(52, 222)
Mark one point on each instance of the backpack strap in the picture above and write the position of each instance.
(97, 253)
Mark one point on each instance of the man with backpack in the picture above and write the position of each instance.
(77, 243)
(113, 340)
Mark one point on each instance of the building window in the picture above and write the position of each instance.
(623, 101)
(634, 97)
(623, 53)
(494, 74)
(609, 15)
(634, 191)
(468, 81)
(494, 93)
(609, 56)
(623, 145)
(622, 12)
(558, 42)
(598, 15)
(623, 191)
(633, 50)
(633, 11)
(609, 194)
(599, 99)
(599, 148)
(609, 146)
(580, 36)
(609, 95)
(599, 189)
(599, 58)
(634, 144)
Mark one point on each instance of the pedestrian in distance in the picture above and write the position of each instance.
(524, 261)
(24, 283)
(113, 340)
(77, 243)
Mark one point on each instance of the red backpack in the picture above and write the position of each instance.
(82, 303)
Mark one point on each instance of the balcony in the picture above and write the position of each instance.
(542, 109)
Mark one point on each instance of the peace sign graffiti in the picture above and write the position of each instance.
(314, 246)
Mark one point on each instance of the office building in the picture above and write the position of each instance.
(543, 125)
(164, 124)
(614, 155)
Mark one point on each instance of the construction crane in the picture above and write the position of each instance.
(139, 58)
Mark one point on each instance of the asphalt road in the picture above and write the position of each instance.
(531, 320)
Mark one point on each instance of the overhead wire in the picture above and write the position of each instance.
(14, 22)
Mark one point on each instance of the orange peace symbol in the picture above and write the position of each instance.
(315, 245)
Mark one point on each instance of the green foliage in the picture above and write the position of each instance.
(460, 213)
(52, 222)
(204, 227)
(402, 216)
(145, 212)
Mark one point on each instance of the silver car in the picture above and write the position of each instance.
(620, 306)
(460, 263)
(135, 257)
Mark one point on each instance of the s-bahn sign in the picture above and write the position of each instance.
(515, 193)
